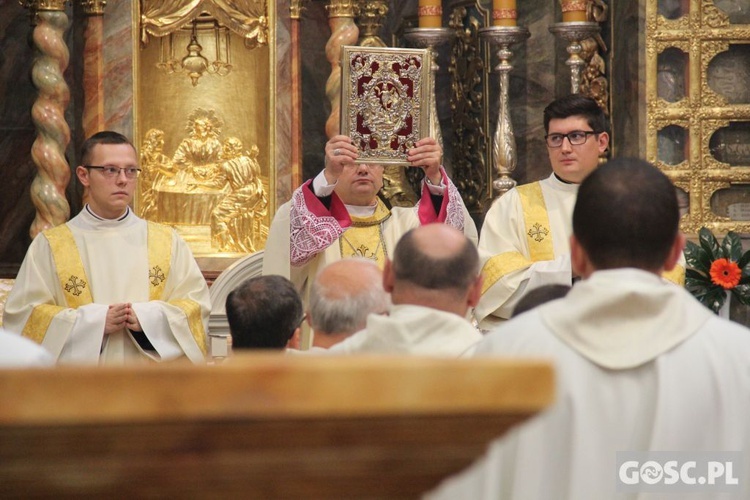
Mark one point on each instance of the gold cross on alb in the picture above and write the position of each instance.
(156, 275)
(538, 232)
(74, 284)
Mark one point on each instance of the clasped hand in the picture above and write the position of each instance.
(121, 316)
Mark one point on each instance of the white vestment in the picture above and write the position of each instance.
(509, 268)
(305, 236)
(525, 244)
(640, 366)
(410, 329)
(18, 352)
(117, 258)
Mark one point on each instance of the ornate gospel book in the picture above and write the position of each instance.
(385, 101)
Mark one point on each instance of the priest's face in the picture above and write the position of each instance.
(573, 162)
(109, 195)
(359, 183)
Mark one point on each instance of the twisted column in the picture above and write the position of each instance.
(343, 32)
(48, 115)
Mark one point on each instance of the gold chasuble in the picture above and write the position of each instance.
(364, 238)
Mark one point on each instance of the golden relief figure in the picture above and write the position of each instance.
(210, 191)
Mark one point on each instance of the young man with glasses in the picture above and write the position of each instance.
(339, 215)
(524, 240)
(108, 287)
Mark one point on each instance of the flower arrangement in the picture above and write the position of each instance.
(714, 270)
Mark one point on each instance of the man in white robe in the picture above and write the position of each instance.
(339, 215)
(433, 281)
(641, 365)
(524, 240)
(108, 287)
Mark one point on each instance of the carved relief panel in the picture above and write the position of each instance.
(204, 120)
(698, 107)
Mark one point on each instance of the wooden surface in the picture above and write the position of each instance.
(260, 426)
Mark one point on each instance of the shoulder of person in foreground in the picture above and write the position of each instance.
(19, 352)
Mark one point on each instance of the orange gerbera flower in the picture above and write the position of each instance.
(725, 273)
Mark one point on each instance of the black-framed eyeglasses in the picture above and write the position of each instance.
(576, 138)
(112, 172)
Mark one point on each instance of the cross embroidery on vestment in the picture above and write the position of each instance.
(538, 232)
(156, 275)
(75, 285)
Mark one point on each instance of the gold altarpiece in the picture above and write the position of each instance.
(204, 106)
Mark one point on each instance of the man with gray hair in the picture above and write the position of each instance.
(341, 297)
(433, 280)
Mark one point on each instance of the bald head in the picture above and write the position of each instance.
(344, 293)
(436, 257)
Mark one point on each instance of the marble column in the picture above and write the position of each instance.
(341, 15)
(93, 67)
(295, 8)
(48, 114)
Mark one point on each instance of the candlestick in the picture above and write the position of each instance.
(430, 39)
(430, 14)
(504, 12)
(504, 142)
(573, 33)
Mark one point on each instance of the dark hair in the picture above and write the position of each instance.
(411, 264)
(538, 296)
(576, 105)
(263, 313)
(626, 215)
(103, 137)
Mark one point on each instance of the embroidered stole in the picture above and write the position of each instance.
(76, 285)
(538, 236)
(364, 238)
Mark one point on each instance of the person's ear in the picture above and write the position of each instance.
(603, 139)
(579, 259)
(293, 342)
(389, 278)
(83, 175)
(674, 254)
(475, 291)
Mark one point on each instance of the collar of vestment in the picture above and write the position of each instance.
(379, 213)
(555, 182)
(87, 219)
(364, 238)
(623, 318)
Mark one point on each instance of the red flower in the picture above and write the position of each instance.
(725, 273)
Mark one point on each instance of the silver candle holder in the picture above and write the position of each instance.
(504, 141)
(430, 38)
(574, 33)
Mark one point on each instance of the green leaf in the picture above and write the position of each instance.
(744, 260)
(715, 298)
(710, 244)
(742, 293)
(697, 275)
(732, 246)
(696, 257)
